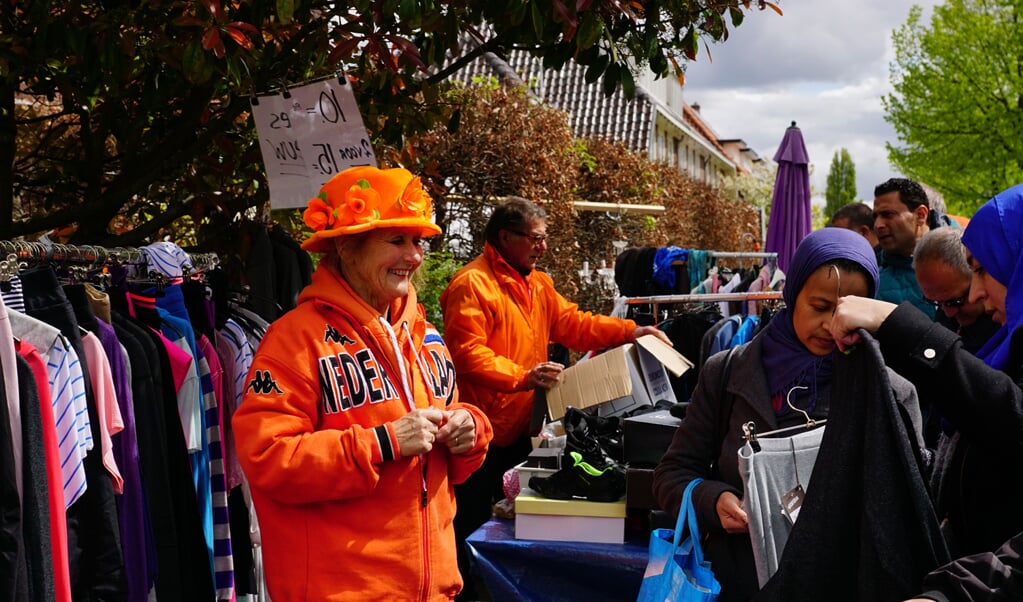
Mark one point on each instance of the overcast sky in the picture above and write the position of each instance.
(824, 65)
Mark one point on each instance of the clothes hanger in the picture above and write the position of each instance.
(749, 429)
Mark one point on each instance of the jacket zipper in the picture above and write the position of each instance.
(424, 520)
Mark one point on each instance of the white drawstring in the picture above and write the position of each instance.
(401, 363)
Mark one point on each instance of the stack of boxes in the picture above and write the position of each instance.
(617, 381)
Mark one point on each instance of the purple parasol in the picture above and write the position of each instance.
(790, 204)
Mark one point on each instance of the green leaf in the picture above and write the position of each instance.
(408, 11)
(612, 77)
(193, 59)
(586, 57)
(737, 15)
(537, 19)
(596, 69)
(659, 65)
(591, 27)
(285, 11)
(628, 83)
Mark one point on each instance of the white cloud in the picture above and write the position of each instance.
(824, 64)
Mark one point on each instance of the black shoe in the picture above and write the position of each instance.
(580, 480)
(590, 436)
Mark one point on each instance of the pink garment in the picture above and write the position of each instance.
(181, 371)
(110, 420)
(180, 361)
(55, 493)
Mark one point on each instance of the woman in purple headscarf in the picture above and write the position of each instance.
(793, 353)
(977, 487)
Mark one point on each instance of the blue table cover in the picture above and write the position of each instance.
(543, 571)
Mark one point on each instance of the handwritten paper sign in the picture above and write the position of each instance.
(307, 134)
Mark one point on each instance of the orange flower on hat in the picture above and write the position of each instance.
(319, 214)
(360, 205)
(415, 200)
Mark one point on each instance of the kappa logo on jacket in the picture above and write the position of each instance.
(333, 336)
(263, 383)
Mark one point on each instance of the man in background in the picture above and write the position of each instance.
(944, 275)
(944, 278)
(901, 217)
(858, 217)
(500, 316)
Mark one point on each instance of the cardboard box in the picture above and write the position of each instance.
(646, 437)
(620, 379)
(544, 519)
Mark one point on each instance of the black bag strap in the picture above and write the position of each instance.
(724, 399)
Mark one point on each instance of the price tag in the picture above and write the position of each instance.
(306, 135)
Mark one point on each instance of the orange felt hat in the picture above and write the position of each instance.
(362, 198)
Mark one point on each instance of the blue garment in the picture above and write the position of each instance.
(993, 237)
(664, 273)
(175, 325)
(746, 331)
(725, 333)
(787, 362)
(697, 267)
(898, 283)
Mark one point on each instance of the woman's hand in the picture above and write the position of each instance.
(544, 375)
(458, 431)
(733, 518)
(853, 312)
(417, 431)
(645, 330)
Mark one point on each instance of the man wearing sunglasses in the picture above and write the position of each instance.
(939, 260)
(944, 278)
(500, 316)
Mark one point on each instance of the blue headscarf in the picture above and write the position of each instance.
(787, 362)
(993, 237)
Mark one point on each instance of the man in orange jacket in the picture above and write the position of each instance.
(500, 315)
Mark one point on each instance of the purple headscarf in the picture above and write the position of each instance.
(787, 362)
(993, 237)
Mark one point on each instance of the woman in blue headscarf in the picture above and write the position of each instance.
(977, 489)
(750, 383)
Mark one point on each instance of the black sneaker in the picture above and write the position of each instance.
(590, 436)
(580, 480)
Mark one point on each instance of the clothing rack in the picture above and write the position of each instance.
(743, 255)
(656, 300)
(91, 256)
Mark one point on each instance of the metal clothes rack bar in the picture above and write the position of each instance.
(743, 255)
(32, 253)
(656, 300)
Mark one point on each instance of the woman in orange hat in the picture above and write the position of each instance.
(350, 431)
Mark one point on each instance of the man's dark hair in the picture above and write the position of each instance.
(514, 214)
(911, 194)
(858, 214)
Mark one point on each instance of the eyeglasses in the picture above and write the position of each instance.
(536, 238)
(951, 303)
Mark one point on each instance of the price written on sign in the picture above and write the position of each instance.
(307, 134)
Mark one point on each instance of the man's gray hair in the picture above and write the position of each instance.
(944, 245)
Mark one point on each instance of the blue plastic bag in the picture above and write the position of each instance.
(676, 571)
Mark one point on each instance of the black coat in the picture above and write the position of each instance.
(981, 497)
(699, 450)
(990, 576)
(866, 529)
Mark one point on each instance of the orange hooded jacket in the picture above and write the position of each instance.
(498, 326)
(342, 515)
